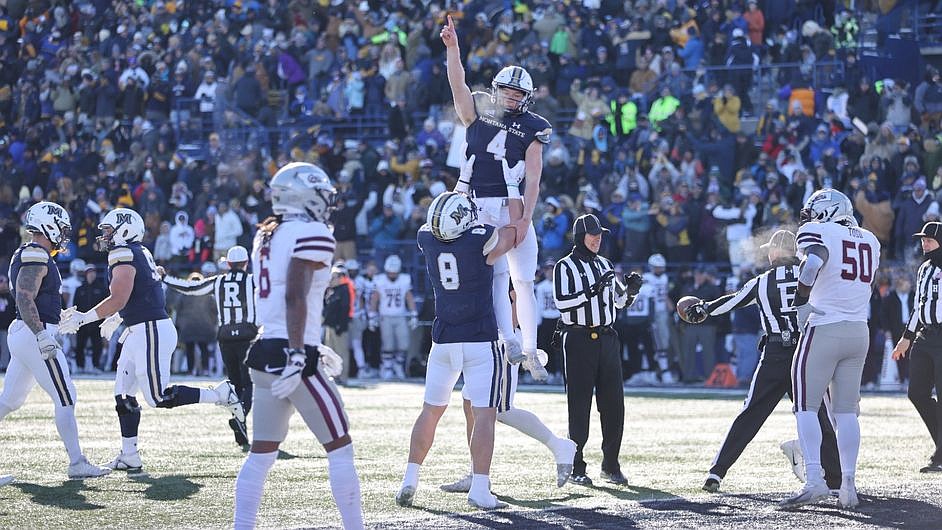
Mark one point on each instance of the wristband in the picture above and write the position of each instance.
(513, 191)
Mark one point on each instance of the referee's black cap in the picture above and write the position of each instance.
(932, 230)
(587, 224)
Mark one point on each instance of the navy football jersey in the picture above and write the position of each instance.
(462, 282)
(48, 299)
(147, 301)
(497, 135)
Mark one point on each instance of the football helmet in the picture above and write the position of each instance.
(303, 190)
(127, 226)
(516, 78)
(657, 260)
(827, 206)
(51, 220)
(393, 265)
(77, 267)
(450, 215)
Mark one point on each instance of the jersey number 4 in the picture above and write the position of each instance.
(858, 262)
(448, 271)
(497, 147)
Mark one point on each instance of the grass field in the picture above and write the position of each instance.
(191, 463)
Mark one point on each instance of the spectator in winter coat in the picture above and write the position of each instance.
(384, 231)
(864, 102)
(910, 216)
(898, 106)
(228, 228)
(756, 22)
(552, 228)
(181, 236)
(692, 52)
(726, 107)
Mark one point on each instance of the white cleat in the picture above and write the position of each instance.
(564, 454)
(126, 462)
(84, 469)
(227, 398)
(488, 502)
(847, 495)
(5, 479)
(462, 485)
(792, 450)
(405, 496)
(513, 350)
(811, 493)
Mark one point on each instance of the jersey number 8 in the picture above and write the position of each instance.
(448, 271)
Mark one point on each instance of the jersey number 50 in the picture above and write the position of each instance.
(859, 257)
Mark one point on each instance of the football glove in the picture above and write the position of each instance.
(75, 320)
(696, 313)
(372, 321)
(330, 362)
(633, 283)
(598, 287)
(48, 346)
(110, 325)
(512, 177)
(464, 176)
(513, 350)
(413, 321)
(804, 313)
(290, 378)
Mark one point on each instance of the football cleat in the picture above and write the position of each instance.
(711, 485)
(84, 469)
(462, 485)
(5, 479)
(564, 454)
(126, 462)
(615, 477)
(933, 467)
(405, 496)
(581, 479)
(513, 351)
(811, 493)
(227, 398)
(488, 502)
(239, 430)
(399, 372)
(847, 496)
(792, 450)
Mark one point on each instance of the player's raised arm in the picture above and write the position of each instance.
(464, 102)
(191, 287)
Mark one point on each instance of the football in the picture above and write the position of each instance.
(682, 306)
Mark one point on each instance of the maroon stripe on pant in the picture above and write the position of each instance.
(802, 402)
(323, 406)
(333, 399)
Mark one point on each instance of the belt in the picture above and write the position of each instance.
(785, 338)
(594, 332)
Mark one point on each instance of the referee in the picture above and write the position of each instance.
(924, 333)
(235, 309)
(773, 291)
(588, 296)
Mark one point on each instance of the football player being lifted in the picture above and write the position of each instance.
(292, 256)
(137, 298)
(502, 132)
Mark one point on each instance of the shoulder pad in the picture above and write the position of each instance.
(33, 254)
(120, 255)
(544, 131)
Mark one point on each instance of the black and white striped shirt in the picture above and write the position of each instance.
(774, 291)
(572, 279)
(233, 292)
(927, 311)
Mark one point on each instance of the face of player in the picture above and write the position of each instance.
(593, 242)
(928, 244)
(104, 240)
(509, 98)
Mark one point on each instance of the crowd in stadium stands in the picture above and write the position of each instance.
(140, 104)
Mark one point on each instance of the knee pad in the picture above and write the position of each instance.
(126, 405)
(170, 398)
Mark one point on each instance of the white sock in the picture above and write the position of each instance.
(809, 435)
(129, 445)
(68, 431)
(358, 354)
(528, 423)
(249, 485)
(502, 309)
(480, 485)
(526, 313)
(345, 486)
(411, 478)
(208, 395)
(4, 410)
(848, 442)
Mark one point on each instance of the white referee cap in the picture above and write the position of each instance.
(237, 254)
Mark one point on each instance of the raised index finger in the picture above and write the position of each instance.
(451, 23)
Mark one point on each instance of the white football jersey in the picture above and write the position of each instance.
(310, 241)
(392, 294)
(641, 307)
(69, 285)
(843, 287)
(545, 301)
(363, 287)
(659, 286)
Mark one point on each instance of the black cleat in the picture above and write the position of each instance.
(933, 467)
(711, 485)
(615, 477)
(238, 429)
(581, 479)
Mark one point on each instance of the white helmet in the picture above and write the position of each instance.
(51, 220)
(393, 264)
(657, 260)
(127, 227)
(827, 205)
(303, 190)
(517, 78)
(450, 215)
(353, 265)
(77, 266)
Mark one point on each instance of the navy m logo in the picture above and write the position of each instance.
(123, 218)
(52, 209)
(460, 212)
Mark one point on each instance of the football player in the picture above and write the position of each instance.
(363, 291)
(35, 355)
(460, 255)
(136, 298)
(500, 130)
(839, 262)
(657, 279)
(292, 256)
(392, 311)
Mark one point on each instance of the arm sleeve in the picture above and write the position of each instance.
(742, 298)
(191, 288)
(563, 292)
(810, 268)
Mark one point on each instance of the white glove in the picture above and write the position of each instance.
(372, 321)
(804, 313)
(66, 313)
(464, 176)
(329, 362)
(290, 378)
(512, 177)
(513, 350)
(48, 346)
(75, 320)
(534, 364)
(413, 321)
(110, 325)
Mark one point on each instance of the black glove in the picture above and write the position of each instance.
(604, 281)
(696, 313)
(633, 283)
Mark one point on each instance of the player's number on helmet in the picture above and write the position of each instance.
(448, 271)
(497, 145)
